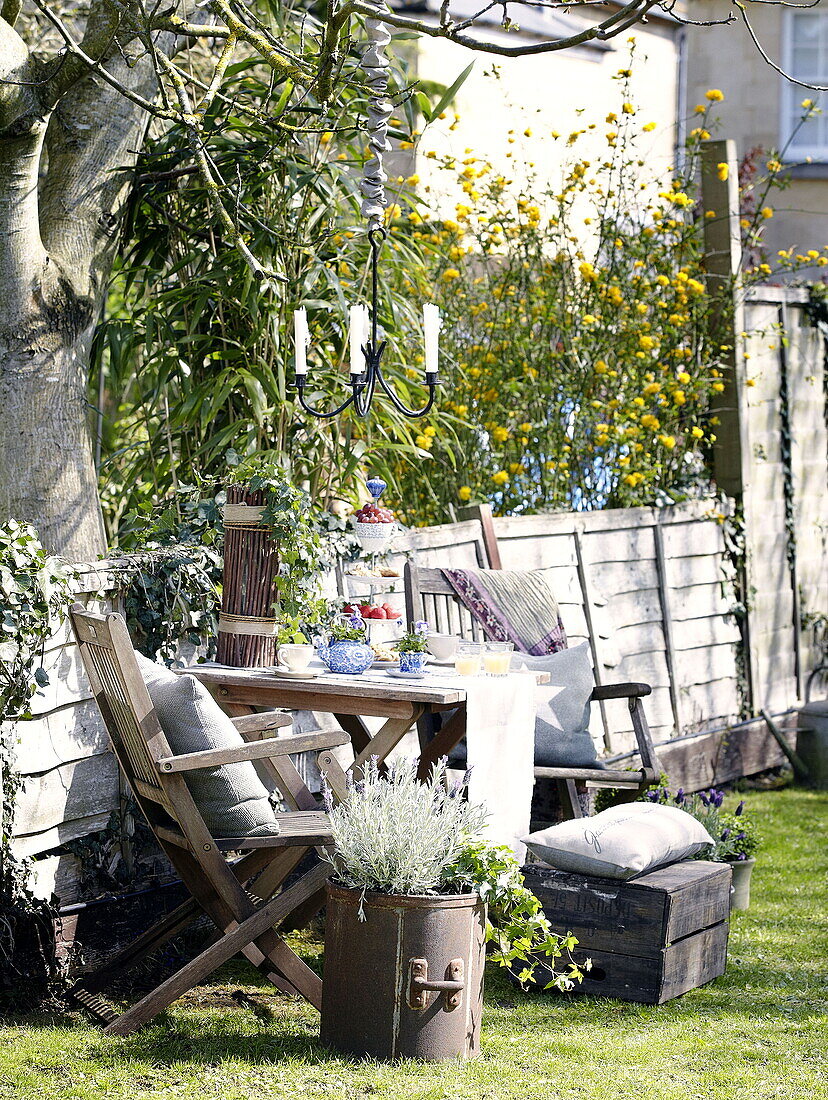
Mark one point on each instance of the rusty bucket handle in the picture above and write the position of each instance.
(451, 987)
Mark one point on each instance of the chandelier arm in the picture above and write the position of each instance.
(326, 415)
(398, 404)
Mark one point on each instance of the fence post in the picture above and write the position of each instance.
(723, 260)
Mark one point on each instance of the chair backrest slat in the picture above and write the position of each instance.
(119, 689)
(429, 596)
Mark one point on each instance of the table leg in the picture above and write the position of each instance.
(356, 729)
(387, 737)
(442, 744)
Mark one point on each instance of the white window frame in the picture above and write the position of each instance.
(793, 94)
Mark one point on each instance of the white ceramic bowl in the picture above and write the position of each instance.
(375, 538)
(442, 646)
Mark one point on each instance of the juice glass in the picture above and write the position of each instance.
(497, 658)
(468, 658)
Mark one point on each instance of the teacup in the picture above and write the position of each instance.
(297, 657)
(442, 646)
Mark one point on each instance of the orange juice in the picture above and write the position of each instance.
(467, 664)
(495, 663)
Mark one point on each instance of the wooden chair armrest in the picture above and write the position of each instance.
(252, 750)
(620, 691)
(261, 723)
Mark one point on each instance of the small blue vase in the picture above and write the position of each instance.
(412, 662)
(348, 658)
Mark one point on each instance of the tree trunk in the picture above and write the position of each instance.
(59, 218)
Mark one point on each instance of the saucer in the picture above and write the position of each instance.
(405, 675)
(306, 674)
(442, 664)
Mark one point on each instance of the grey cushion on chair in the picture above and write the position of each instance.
(231, 798)
(562, 738)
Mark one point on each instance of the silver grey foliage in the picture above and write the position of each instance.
(396, 835)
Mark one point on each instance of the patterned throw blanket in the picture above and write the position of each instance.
(512, 606)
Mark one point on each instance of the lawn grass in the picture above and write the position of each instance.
(760, 1031)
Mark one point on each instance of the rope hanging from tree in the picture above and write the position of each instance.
(375, 66)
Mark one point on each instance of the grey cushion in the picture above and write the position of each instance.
(231, 798)
(562, 737)
(621, 842)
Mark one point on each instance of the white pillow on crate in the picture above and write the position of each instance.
(622, 842)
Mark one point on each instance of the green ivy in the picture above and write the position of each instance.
(34, 595)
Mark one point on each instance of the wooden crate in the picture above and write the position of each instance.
(651, 938)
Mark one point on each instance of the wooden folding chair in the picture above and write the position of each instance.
(237, 893)
(429, 596)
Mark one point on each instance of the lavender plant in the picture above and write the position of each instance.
(735, 836)
(396, 835)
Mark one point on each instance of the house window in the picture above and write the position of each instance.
(806, 58)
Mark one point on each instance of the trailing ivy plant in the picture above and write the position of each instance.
(170, 582)
(288, 513)
(34, 594)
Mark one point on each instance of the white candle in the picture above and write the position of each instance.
(431, 329)
(358, 334)
(301, 338)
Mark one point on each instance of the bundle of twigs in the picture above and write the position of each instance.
(247, 624)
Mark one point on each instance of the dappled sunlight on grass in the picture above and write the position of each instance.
(760, 1031)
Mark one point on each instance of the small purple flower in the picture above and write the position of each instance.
(741, 856)
(705, 801)
(717, 798)
(356, 620)
(679, 799)
(725, 834)
(421, 627)
(739, 809)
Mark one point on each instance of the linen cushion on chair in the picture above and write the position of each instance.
(562, 738)
(621, 842)
(231, 798)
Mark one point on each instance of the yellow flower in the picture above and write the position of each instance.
(500, 478)
(697, 433)
(648, 126)
(464, 492)
(430, 430)
(633, 479)
(628, 109)
(500, 434)
(412, 180)
(807, 104)
(653, 387)
(527, 132)
(717, 387)
(461, 410)
(699, 109)
(600, 366)
(450, 273)
(526, 427)
(683, 377)
(668, 441)
(650, 421)
(723, 171)
(516, 468)
(679, 398)
(424, 442)
(714, 95)
(588, 319)
(767, 211)
(326, 137)
(646, 343)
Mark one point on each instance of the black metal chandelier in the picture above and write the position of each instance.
(366, 347)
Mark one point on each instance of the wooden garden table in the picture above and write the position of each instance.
(349, 698)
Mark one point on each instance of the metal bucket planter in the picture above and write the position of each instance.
(740, 891)
(406, 982)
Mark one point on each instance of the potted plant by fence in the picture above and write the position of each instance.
(415, 897)
(271, 591)
(735, 835)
